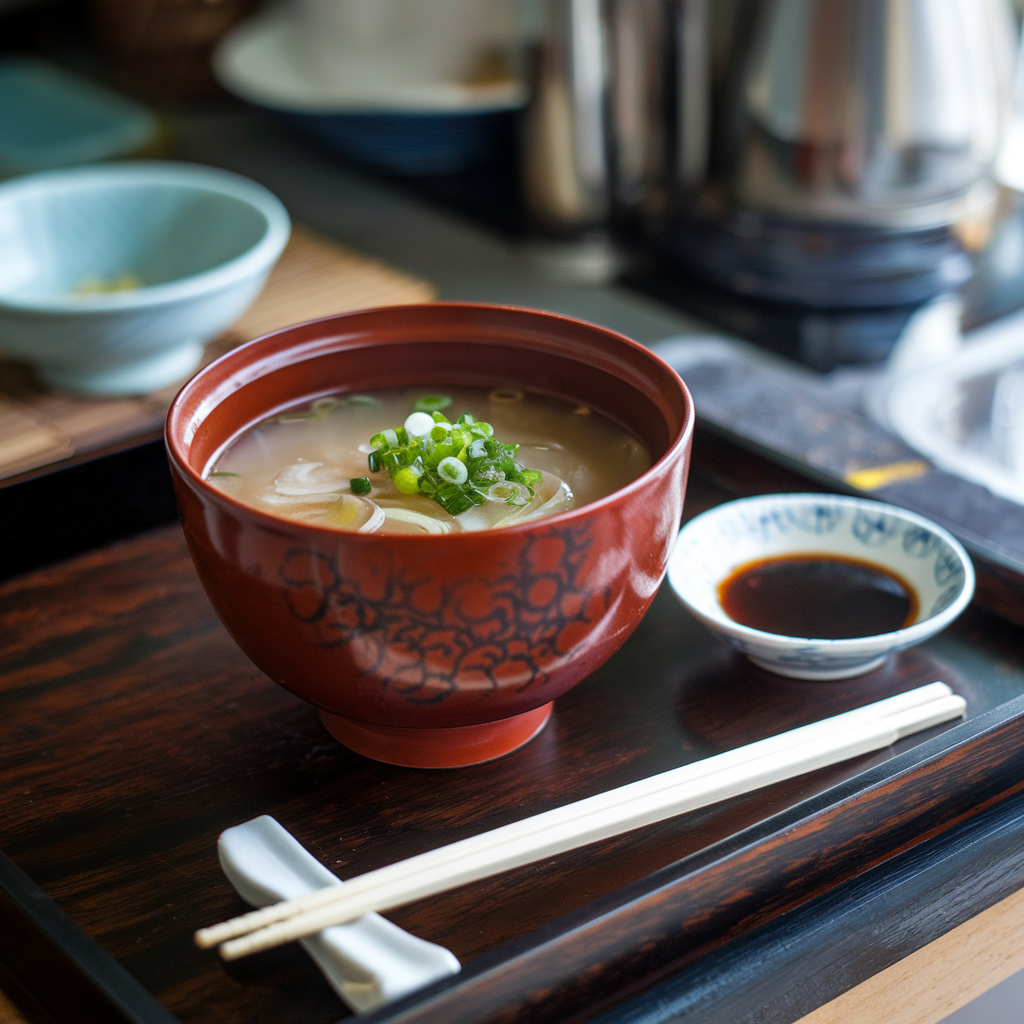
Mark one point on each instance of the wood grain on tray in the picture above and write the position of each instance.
(315, 277)
(9, 1013)
(135, 730)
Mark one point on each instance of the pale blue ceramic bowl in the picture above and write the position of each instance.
(200, 242)
(716, 543)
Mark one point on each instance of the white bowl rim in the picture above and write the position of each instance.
(231, 65)
(897, 639)
(160, 172)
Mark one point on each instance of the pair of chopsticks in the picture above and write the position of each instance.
(742, 770)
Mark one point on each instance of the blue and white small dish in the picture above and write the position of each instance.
(716, 543)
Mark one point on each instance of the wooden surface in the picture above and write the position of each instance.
(315, 277)
(9, 1013)
(923, 988)
(939, 978)
(132, 731)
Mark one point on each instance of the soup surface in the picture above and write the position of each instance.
(823, 597)
(471, 459)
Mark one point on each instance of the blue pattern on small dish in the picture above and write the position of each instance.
(714, 544)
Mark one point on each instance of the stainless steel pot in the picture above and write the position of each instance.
(884, 113)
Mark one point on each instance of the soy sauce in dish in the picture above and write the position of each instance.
(823, 597)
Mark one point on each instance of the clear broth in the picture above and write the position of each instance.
(298, 464)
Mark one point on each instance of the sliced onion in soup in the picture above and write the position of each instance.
(561, 501)
(309, 478)
(285, 501)
(352, 513)
(416, 522)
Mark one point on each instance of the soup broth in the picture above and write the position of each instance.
(311, 463)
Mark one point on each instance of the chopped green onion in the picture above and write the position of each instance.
(363, 400)
(419, 423)
(457, 465)
(223, 472)
(452, 471)
(360, 485)
(407, 480)
(510, 492)
(431, 403)
(317, 410)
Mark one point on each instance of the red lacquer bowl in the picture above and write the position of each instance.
(434, 651)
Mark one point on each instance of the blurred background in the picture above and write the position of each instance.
(834, 182)
(805, 174)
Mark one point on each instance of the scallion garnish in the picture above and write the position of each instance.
(223, 472)
(321, 407)
(452, 470)
(407, 479)
(419, 423)
(360, 485)
(431, 403)
(459, 464)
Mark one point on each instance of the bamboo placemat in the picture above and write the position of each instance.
(315, 277)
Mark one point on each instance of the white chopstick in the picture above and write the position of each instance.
(607, 814)
(215, 934)
(624, 794)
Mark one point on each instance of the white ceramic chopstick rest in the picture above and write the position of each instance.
(368, 962)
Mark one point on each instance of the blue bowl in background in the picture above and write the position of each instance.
(412, 143)
(404, 127)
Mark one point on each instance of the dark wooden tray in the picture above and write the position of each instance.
(133, 731)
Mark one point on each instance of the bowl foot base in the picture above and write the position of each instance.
(437, 748)
(795, 672)
(135, 378)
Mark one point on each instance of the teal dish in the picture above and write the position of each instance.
(189, 247)
(52, 118)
